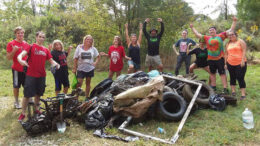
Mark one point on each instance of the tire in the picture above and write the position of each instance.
(102, 86)
(203, 96)
(169, 89)
(172, 107)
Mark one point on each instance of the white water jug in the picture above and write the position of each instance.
(248, 119)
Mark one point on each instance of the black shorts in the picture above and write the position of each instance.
(82, 74)
(215, 65)
(18, 78)
(201, 65)
(34, 86)
(61, 80)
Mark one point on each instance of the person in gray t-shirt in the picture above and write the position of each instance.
(84, 63)
(183, 45)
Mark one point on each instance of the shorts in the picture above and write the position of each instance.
(201, 65)
(153, 61)
(34, 86)
(82, 74)
(18, 78)
(215, 65)
(136, 66)
(61, 80)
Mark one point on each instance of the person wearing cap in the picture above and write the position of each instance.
(153, 40)
(182, 56)
(61, 76)
(215, 48)
(13, 49)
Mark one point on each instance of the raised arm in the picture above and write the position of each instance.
(127, 35)
(139, 41)
(162, 27)
(197, 34)
(144, 28)
(234, 23)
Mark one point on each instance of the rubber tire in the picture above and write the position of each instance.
(201, 99)
(169, 89)
(172, 108)
(102, 86)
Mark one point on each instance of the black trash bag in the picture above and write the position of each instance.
(37, 125)
(217, 102)
(101, 113)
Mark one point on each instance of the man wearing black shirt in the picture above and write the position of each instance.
(153, 41)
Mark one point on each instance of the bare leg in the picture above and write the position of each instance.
(213, 79)
(24, 105)
(111, 74)
(243, 91)
(233, 88)
(80, 81)
(224, 80)
(88, 80)
(130, 69)
(36, 102)
(160, 67)
(57, 92)
(192, 67)
(207, 69)
(16, 94)
(65, 90)
(118, 73)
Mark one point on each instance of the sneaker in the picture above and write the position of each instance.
(225, 91)
(21, 117)
(17, 105)
(233, 93)
(242, 97)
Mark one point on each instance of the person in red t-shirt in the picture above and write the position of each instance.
(35, 75)
(116, 54)
(14, 48)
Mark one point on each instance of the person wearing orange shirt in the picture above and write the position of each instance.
(235, 62)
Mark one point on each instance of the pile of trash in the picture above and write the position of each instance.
(151, 95)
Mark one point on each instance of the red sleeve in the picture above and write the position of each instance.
(223, 35)
(9, 47)
(27, 49)
(49, 56)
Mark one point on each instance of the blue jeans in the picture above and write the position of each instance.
(183, 57)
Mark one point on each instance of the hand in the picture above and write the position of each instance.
(225, 66)
(102, 53)
(15, 48)
(141, 26)
(189, 44)
(129, 58)
(94, 64)
(57, 66)
(70, 47)
(159, 19)
(74, 70)
(242, 64)
(147, 20)
(191, 25)
(177, 53)
(126, 25)
(23, 62)
(234, 18)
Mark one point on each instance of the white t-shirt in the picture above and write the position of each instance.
(85, 58)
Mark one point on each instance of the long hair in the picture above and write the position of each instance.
(119, 40)
(58, 41)
(88, 36)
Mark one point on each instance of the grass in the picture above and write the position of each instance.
(204, 127)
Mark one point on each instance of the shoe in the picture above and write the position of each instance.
(242, 97)
(233, 93)
(17, 105)
(21, 117)
(225, 91)
(214, 88)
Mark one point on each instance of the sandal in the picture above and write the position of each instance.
(242, 97)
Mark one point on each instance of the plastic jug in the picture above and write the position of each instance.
(248, 119)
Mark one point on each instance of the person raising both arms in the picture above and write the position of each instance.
(235, 60)
(86, 57)
(35, 75)
(134, 49)
(215, 48)
(153, 42)
(116, 53)
(13, 49)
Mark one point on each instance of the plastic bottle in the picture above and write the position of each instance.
(248, 119)
(161, 130)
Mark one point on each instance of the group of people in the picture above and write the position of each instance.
(210, 56)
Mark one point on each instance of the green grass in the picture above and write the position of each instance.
(204, 127)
